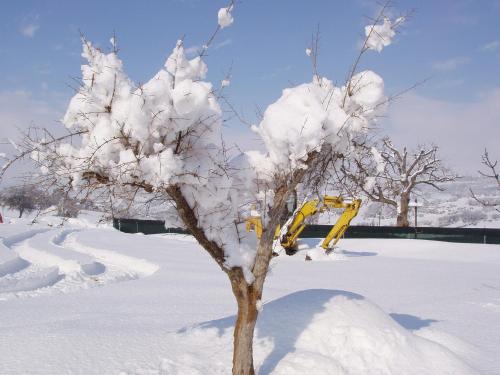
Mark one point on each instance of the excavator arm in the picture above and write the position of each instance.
(296, 223)
(350, 211)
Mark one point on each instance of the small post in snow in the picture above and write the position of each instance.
(415, 205)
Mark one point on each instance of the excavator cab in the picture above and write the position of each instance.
(293, 227)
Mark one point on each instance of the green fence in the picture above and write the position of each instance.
(467, 235)
(144, 226)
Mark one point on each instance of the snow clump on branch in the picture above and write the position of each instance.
(225, 18)
(380, 36)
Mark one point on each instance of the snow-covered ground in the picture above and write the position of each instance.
(86, 300)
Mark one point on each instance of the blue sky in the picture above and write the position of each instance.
(455, 44)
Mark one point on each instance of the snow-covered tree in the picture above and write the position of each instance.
(389, 175)
(164, 138)
(490, 171)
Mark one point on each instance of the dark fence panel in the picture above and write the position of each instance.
(467, 235)
(145, 226)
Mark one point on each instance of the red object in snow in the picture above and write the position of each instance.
(1, 219)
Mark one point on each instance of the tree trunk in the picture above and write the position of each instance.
(246, 297)
(402, 220)
(21, 210)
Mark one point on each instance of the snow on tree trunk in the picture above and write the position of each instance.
(246, 297)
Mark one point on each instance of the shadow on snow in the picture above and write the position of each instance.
(274, 321)
(412, 322)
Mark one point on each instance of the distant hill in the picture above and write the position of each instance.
(453, 207)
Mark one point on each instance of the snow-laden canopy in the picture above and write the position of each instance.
(131, 133)
(166, 134)
(310, 115)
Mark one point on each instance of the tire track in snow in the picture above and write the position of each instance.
(18, 275)
(10, 262)
(30, 278)
(55, 263)
(136, 266)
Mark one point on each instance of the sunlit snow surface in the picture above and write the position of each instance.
(86, 300)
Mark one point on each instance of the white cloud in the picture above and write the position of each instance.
(223, 44)
(461, 130)
(30, 30)
(464, 19)
(20, 110)
(449, 83)
(193, 50)
(450, 64)
(490, 47)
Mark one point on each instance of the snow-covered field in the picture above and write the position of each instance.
(87, 300)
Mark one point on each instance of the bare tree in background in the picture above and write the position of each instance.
(490, 171)
(24, 198)
(389, 175)
(163, 138)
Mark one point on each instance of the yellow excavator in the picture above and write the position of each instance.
(297, 222)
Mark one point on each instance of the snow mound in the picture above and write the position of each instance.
(347, 334)
(320, 254)
(318, 332)
(310, 249)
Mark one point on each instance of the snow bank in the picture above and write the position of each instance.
(319, 331)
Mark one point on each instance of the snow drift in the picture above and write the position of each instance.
(318, 331)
